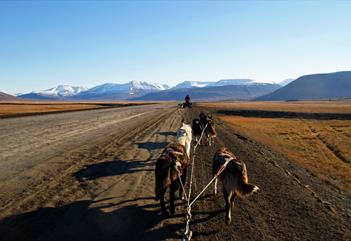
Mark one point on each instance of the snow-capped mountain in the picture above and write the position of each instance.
(191, 84)
(127, 88)
(136, 89)
(213, 93)
(62, 91)
(110, 91)
(58, 92)
(107, 91)
(223, 82)
(143, 85)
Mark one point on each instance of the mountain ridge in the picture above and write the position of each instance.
(120, 91)
(7, 97)
(124, 91)
(63, 90)
(214, 93)
(314, 86)
(59, 92)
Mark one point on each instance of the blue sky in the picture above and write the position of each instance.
(46, 43)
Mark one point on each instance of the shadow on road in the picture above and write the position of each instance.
(152, 145)
(167, 133)
(89, 220)
(112, 168)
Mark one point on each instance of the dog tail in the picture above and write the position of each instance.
(212, 131)
(248, 189)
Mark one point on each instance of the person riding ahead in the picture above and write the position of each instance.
(187, 99)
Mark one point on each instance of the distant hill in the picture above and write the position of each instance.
(38, 96)
(213, 93)
(7, 97)
(313, 87)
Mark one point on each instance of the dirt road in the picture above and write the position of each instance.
(89, 176)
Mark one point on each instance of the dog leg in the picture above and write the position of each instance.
(215, 186)
(208, 135)
(183, 178)
(232, 198)
(163, 204)
(188, 146)
(171, 198)
(227, 198)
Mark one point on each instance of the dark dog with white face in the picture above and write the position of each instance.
(197, 129)
(235, 181)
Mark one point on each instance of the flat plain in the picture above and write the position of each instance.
(89, 175)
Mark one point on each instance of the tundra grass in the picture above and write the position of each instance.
(323, 147)
(320, 146)
(291, 106)
(16, 108)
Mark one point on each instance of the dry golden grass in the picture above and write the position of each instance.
(27, 108)
(320, 146)
(293, 106)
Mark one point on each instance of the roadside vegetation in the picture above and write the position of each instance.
(293, 106)
(320, 146)
(19, 108)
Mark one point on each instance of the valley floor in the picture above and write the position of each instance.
(90, 176)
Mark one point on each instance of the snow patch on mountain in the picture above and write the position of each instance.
(131, 87)
(191, 84)
(62, 91)
(225, 82)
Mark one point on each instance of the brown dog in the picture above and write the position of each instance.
(172, 163)
(235, 181)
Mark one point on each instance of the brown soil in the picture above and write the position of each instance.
(90, 176)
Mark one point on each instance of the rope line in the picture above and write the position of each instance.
(181, 184)
(188, 232)
(193, 160)
(217, 174)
